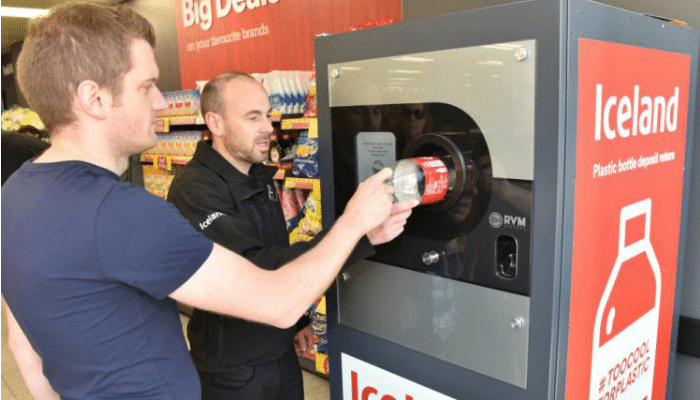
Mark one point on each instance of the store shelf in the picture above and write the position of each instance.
(180, 122)
(164, 162)
(302, 123)
(277, 117)
(310, 366)
(196, 122)
(297, 123)
(314, 361)
(301, 183)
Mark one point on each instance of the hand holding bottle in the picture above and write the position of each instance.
(371, 204)
(394, 225)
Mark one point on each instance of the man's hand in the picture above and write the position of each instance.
(305, 339)
(394, 225)
(371, 204)
(28, 361)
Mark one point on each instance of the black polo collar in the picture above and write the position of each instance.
(257, 179)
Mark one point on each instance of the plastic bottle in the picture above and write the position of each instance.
(299, 95)
(426, 179)
(275, 93)
(287, 97)
(301, 90)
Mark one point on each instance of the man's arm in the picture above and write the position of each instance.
(199, 195)
(28, 361)
(228, 284)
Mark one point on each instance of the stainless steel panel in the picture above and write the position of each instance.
(494, 84)
(474, 327)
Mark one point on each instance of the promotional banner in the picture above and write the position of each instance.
(216, 36)
(364, 381)
(631, 133)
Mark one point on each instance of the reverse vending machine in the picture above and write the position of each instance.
(549, 268)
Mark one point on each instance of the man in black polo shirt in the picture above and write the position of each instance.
(18, 148)
(227, 193)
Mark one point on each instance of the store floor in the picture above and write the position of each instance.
(13, 388)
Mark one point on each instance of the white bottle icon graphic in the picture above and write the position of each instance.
(627, 319)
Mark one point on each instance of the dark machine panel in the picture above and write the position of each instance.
(467, 256)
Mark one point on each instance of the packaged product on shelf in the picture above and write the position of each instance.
(187, 143)
(184, 138)
(274, 92)
(275, 150)
(277, 92)
(164, 144)
(198, 102)
(311, 107)
(157, 184)
(187, 149)
(301, 90)
(176, 144)
(178, 99)
(308, 228)
(167, 143)
(310, 222)
(300, 197)
(191, 104)
(289, 207)
(16, 116)
(287, 95)
(306, 156)
(148, 183)
(284, 96)
(196, 137)
(319, 324)
(294, 104)
(310, 225)
(170, 99)
(287, 90)
(187, 102)
(181, 102)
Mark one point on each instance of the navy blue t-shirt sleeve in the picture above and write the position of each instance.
(145, 242)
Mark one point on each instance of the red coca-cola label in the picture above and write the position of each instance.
(437, 178)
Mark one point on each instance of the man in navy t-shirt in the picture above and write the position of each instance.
(91, 268)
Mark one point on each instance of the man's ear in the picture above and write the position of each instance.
(93, 100)
(214, 122)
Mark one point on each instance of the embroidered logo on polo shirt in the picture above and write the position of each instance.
(210, 218)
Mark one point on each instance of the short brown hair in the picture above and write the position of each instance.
(73, 43)
(210, 100)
